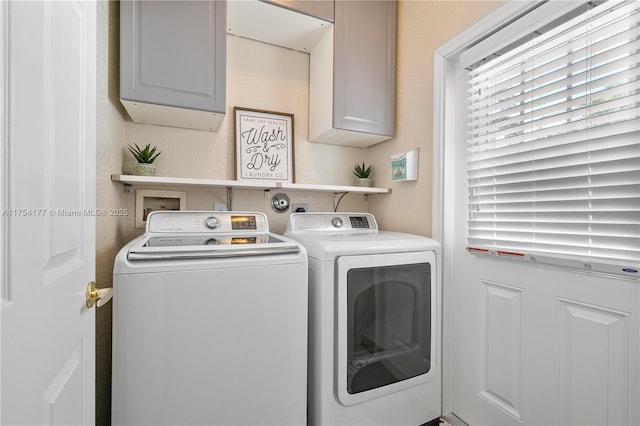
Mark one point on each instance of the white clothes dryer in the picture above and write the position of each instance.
(209, 323)
(374, 322)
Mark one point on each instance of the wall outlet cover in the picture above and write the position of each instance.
(220, 207)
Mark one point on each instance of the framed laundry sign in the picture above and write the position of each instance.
(264, 145)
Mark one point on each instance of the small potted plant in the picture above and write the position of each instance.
(363, 174)
(145, 157)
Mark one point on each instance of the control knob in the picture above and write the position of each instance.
(337, 222)
(212, 222)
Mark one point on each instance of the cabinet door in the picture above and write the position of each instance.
(322, 9)
(365, 66)
(173, 53)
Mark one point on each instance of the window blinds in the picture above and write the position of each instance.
(553, 161)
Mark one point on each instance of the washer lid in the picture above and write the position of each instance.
(157, 251)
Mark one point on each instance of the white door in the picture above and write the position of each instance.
(48, 186)
(532, 344)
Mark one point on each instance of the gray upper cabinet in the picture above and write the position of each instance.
(352, 80)
(322, 9)
(173, 62)
(365, 67)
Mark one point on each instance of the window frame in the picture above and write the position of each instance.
(464, 50)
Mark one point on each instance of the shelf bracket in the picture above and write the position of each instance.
(127, 188)
(340, 196)
(229, 197)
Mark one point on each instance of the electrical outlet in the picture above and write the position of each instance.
(220, 207)
(299, 207)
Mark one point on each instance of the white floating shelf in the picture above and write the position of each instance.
(219, 183)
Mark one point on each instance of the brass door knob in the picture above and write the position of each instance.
(100, 295)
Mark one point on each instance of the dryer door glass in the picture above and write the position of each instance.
(388, 325)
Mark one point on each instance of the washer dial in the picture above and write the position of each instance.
(212, 222)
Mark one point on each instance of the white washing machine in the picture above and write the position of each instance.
(209, 323)
(374, 322)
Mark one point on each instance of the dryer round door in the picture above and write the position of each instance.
(386, 324)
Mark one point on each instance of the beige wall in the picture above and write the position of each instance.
(271, 78)
(110, 231)
(259, 76)
(423, 26)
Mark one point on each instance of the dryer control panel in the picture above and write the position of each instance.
(332, 222)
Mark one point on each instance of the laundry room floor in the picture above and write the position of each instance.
(451, 420)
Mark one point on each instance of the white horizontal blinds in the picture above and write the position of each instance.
(554, 141)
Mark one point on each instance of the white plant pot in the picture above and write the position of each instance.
(363, 182)
(144, 169)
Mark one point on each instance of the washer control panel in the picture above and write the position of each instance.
(332, 222)
(207, 222)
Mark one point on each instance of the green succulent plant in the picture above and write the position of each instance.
(146, 155)
(363, 172)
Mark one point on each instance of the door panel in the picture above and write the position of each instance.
(64, 107)
(48, 333)
(500, 340)
(62, 405)
(592, 352)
